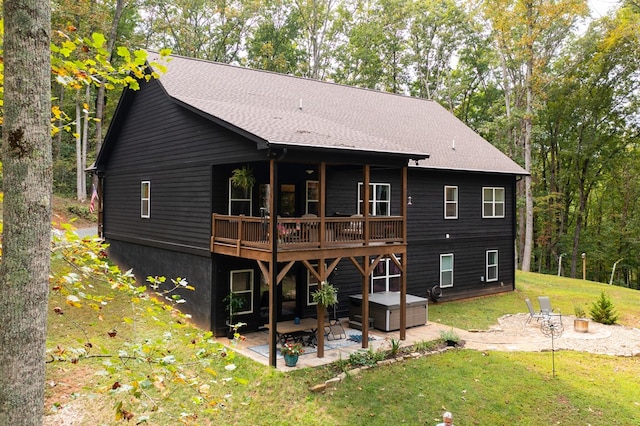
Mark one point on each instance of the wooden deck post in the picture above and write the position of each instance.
(403, 270)
(273, 285)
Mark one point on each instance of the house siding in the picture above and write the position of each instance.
(153, 261)
(468, 237)
(174, 149)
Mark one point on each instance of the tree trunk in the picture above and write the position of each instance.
(80, 192)
(528, 130)
(100, 97)
(26, 154)
(85, 141)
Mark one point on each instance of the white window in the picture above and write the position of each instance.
(385, 276)
(450, 202)
(379, 199)
(312, 286)
(241, 284)
(492, 202)
(446, 270)
(239, 200)
(145, 199)
(492, 265)
(313, 198)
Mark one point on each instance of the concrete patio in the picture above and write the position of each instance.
(381, 340)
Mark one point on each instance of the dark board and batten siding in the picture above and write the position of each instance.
(468, 237)
(174, 149)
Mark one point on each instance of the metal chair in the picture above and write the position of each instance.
(333, 329)
(532, 313)
(549, 315)
(545, 307)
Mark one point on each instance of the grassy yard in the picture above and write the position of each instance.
(565, 293)
(490, 388)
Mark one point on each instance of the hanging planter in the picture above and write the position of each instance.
(326, 295)
(243, 178)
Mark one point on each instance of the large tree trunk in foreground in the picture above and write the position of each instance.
(26, 154)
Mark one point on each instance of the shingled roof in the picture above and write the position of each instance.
(284, 110)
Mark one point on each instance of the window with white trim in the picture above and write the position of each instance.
(312, 286)
(492, 202)
(241, 284)
(385, 276)
(379, 199)
(240, 201)
(313, 197)
(450, 202)
(145, 199)
(492, 266)
(446, 270)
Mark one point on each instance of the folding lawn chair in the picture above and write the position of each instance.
(532, 313)
(333, 329)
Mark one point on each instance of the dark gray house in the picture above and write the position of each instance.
(369, 190)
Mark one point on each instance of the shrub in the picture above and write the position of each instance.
(81, 211)
(602, 310)
(426, 345)
(366, 358)
(450, 336)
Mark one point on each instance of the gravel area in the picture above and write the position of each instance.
(513, 333)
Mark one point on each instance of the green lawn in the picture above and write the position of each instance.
(480, 388)
(480, 313)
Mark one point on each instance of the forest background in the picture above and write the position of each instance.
(552, 86)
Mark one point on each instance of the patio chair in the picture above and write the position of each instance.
(551, 317)
(545, 307)
(333, 329)
(532, 313)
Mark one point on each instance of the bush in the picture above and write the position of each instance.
(366, 358)
(602, 310)
(450, 337)
(80, 211)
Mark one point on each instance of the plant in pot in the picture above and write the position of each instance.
(326, 295)
(291, 351)
(243, 178)
(580, 322)
(233, 305)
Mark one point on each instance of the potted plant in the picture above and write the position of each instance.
(233, 304)
(580, 322)
(291, 351)
(243, 178)
(326, 295)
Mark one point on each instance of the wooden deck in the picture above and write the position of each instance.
(302, 238)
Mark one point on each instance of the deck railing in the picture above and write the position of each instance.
(293, 233)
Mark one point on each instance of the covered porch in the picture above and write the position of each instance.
(319, 242)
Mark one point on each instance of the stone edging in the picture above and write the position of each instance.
(355, 371)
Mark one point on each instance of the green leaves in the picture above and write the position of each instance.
(146, 348)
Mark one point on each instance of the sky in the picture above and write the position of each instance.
(600, 8)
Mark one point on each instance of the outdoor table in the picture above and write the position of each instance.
(304, 332)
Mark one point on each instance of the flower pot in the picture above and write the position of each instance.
(231, 333)
(581, 325)
(290, 360)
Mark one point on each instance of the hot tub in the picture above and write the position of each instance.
(384, 309)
